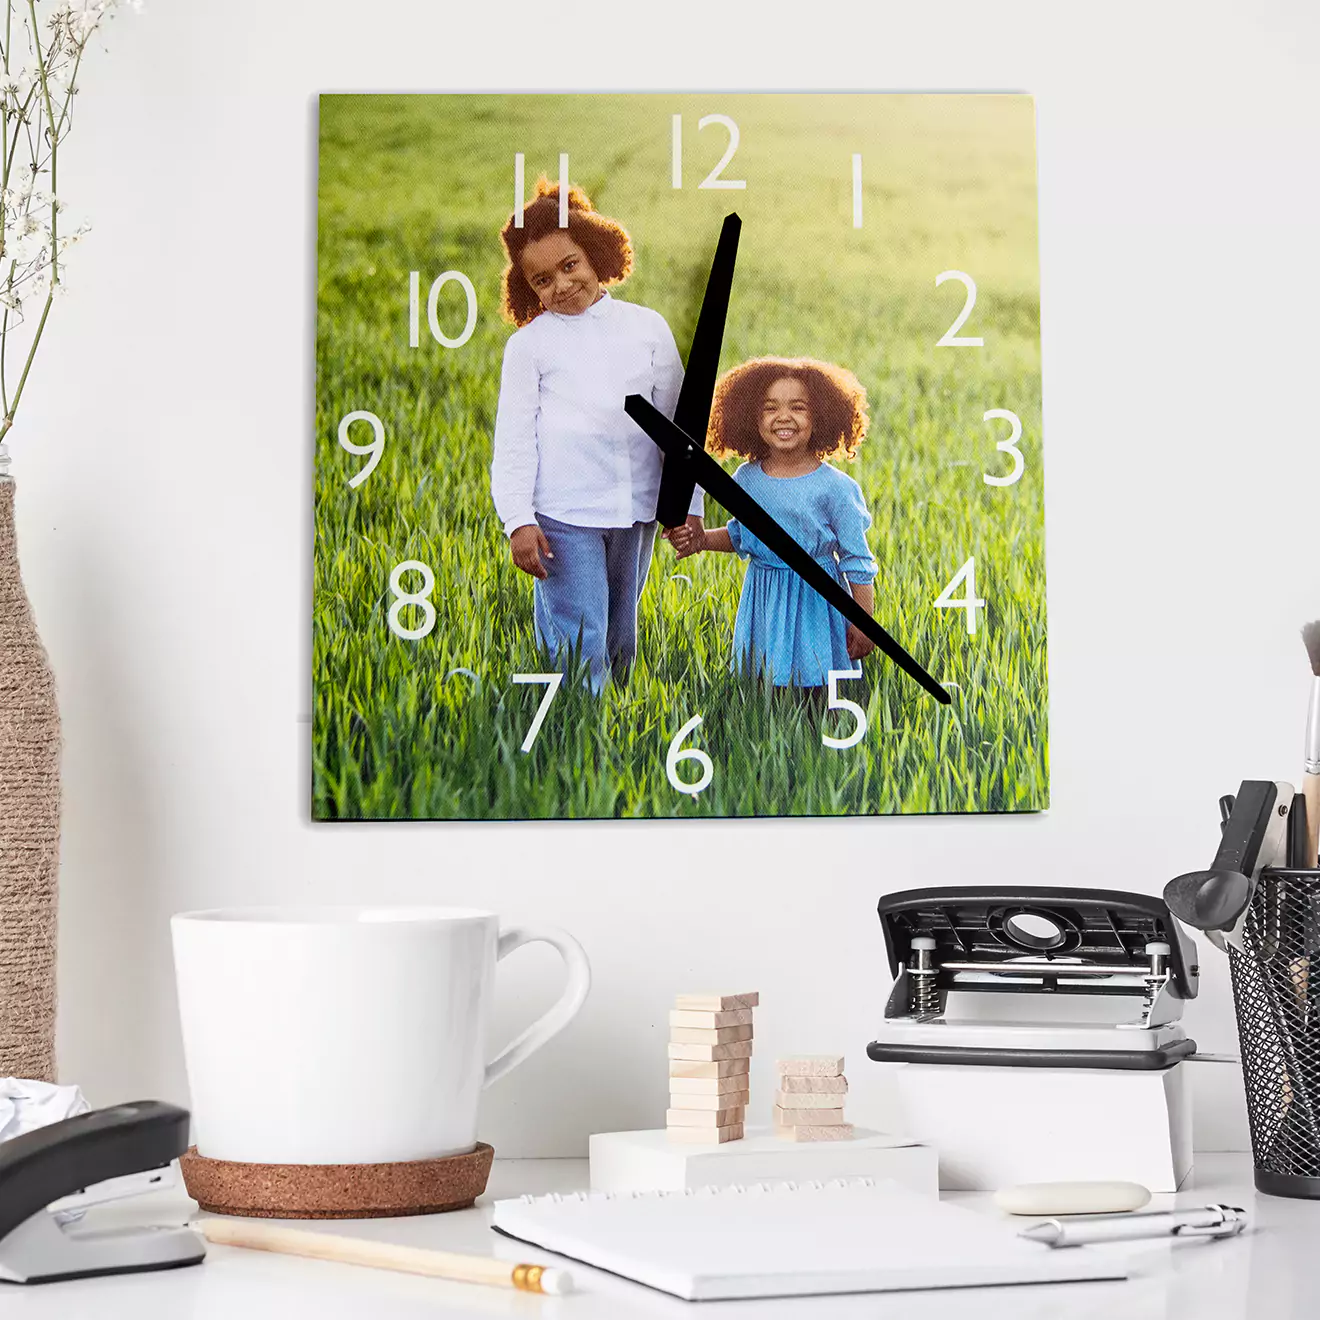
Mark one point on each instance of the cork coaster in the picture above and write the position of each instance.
(336, 1191)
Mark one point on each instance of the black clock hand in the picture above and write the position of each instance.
(692, 412)
(677, 444)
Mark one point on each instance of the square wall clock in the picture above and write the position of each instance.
(677, 456)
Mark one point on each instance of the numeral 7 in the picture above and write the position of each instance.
(552, 682)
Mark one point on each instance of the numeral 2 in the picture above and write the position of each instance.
(951, 338)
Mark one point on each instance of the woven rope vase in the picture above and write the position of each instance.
(29, 824)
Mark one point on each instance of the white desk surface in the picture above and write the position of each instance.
(1271, 1272)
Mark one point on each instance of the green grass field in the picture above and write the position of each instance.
(432, 728)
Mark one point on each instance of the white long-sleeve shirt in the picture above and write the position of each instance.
(564, 446)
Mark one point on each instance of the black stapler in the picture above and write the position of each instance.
(63, 1158)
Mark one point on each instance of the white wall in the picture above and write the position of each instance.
(163, 457)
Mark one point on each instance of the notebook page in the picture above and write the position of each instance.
(789, 1239)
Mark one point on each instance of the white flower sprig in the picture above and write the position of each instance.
(39, 66)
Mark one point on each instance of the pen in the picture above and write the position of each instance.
(1203, 1221)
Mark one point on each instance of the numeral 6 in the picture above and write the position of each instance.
(675, 755)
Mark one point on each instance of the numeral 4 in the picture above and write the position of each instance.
(970, 601)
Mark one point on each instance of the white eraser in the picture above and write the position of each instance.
(1071, 1198)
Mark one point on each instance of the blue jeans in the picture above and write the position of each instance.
(588, 603)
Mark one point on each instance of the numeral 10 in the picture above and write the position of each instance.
(432, 308)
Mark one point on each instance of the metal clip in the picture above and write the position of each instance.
(1233, 1220)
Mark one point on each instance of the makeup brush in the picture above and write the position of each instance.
(1311, 781)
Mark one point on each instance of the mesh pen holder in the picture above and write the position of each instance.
(1276, 991)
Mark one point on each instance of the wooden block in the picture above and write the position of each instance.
(705, 1118)
(814, 1085)
(717, 1003)
(813, 1100)
(709, 1085)
(731, 1017)
(707, 1035)
(735, 1049)
(720, 1068)
(807, 1117)
(816, 1132)
(810, 1065)
(691, 1100)
(710, 1136)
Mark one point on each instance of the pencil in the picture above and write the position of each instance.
(260, 1236)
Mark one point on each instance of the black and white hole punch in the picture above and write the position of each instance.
(94, 1157)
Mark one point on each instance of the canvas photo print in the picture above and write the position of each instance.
(525, 605)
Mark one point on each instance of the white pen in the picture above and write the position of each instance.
(1203, 1221)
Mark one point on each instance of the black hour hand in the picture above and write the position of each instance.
(683, 452)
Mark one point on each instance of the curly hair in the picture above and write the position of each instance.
(604, 241)
(838, 407)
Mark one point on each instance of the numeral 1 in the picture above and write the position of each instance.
(432, 319)
(970, 601)
(712, 180)
(857, 190)
(552, 682)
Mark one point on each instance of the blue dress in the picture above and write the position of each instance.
(784, 629)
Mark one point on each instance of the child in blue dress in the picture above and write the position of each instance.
(574, 479)
(786, 416)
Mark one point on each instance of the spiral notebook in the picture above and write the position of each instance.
(791, 1240)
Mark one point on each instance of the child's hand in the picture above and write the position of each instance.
(859, 644)
(689, 539)
(527, 545)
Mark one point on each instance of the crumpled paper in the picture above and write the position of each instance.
(27, 1105)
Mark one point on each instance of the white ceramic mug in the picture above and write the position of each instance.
(348, 1035)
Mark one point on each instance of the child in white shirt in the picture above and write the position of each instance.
(574, 479)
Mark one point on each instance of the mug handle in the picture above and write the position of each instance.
(549, 1024)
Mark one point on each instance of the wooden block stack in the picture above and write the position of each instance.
(809, 1102)
(710, 1051)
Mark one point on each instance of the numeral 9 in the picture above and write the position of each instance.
(376, 448)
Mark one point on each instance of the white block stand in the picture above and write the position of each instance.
(649, 1161)
(994, 1127)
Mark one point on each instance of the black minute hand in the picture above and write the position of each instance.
(680, 449)
(692, 411)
